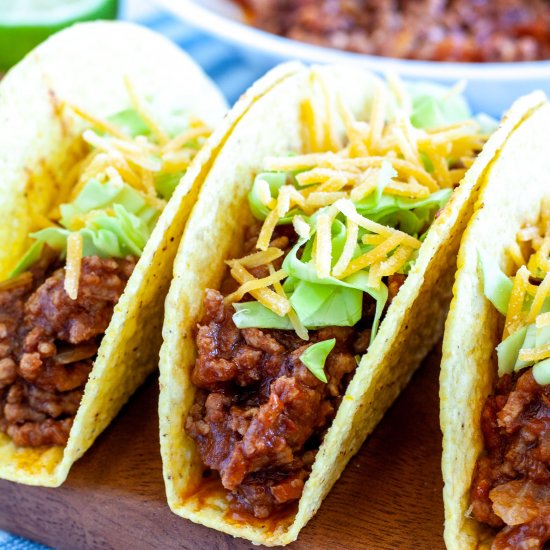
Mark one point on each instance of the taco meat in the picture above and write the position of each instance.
(48, 343)
(474, 30)
(511, 485)
(260, 414)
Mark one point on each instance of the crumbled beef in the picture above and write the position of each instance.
(440, 30)
(259, 415)
(259, 407)
(48, 343)
(511, 485)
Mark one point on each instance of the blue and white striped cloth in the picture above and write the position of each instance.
(226, 65)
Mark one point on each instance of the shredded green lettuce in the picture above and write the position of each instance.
(541, 372)
(255, 315)
(275, 180)
(329, 301)
(165, 184)
(130, 122)
(497, 287)
(306, 272)
(508, 350)
(33, 254)
(113, 219)
(320, 305)
(408, 215)
(315, 356)
(528, 343)
(434, 106)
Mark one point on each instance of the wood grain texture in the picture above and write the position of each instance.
(389, 496)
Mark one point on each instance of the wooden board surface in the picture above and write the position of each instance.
(389, 497)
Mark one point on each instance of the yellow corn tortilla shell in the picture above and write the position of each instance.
(412, 325)
(511, 196)
(86, 65)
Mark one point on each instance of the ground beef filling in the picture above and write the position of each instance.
(440, 30)
(511, 484)
(48, 343)
(260, 414)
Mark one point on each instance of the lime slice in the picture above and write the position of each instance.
(26, 23)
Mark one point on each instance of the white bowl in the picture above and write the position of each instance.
(492, 87)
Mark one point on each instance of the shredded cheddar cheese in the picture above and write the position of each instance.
(73, 266)
(384, 154)
(528, 304)
(267, 297)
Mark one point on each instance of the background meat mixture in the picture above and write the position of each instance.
(512, 477)
(260, 414)
(440, 30)
(48, 343)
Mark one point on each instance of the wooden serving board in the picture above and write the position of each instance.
(389, 497)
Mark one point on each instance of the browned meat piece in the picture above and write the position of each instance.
(26, 402)
(268, 491)
(38, 434)
(440, 30)
(511, 485)
(264, 405)
(101, 284)
(48, 343)
(8, 372)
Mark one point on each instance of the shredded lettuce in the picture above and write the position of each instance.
(113, 219)
(299, 269)
(130, 122)
(315, 356)
(330, 301)
(497, 287)
(165, 184)
(508, 350)
(528, 343)
(541, 372)
(408, 215)
(317, 302)
(255, 315)
(33, 254)
(434, 106)
(275, 180)
(319, 305)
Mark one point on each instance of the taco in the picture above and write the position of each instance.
(495, 375)
(336, 207)
(97, 127)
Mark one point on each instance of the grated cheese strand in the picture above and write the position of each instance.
(142, 110)
(98, 123)
(374, 256)
(396, 261)
(541, 294)
(73, 265)
(265, 296)
(297, 325)
(377, 116)
(535, 354)
(349, 248)
(263, 257)
(515, 253)
(323, 245)
(255, 284)
(301, 227)
(543, 320)
(515, 305)
(264, 238)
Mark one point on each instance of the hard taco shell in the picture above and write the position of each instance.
(412, 325)
(85, 66)
(512, 190)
